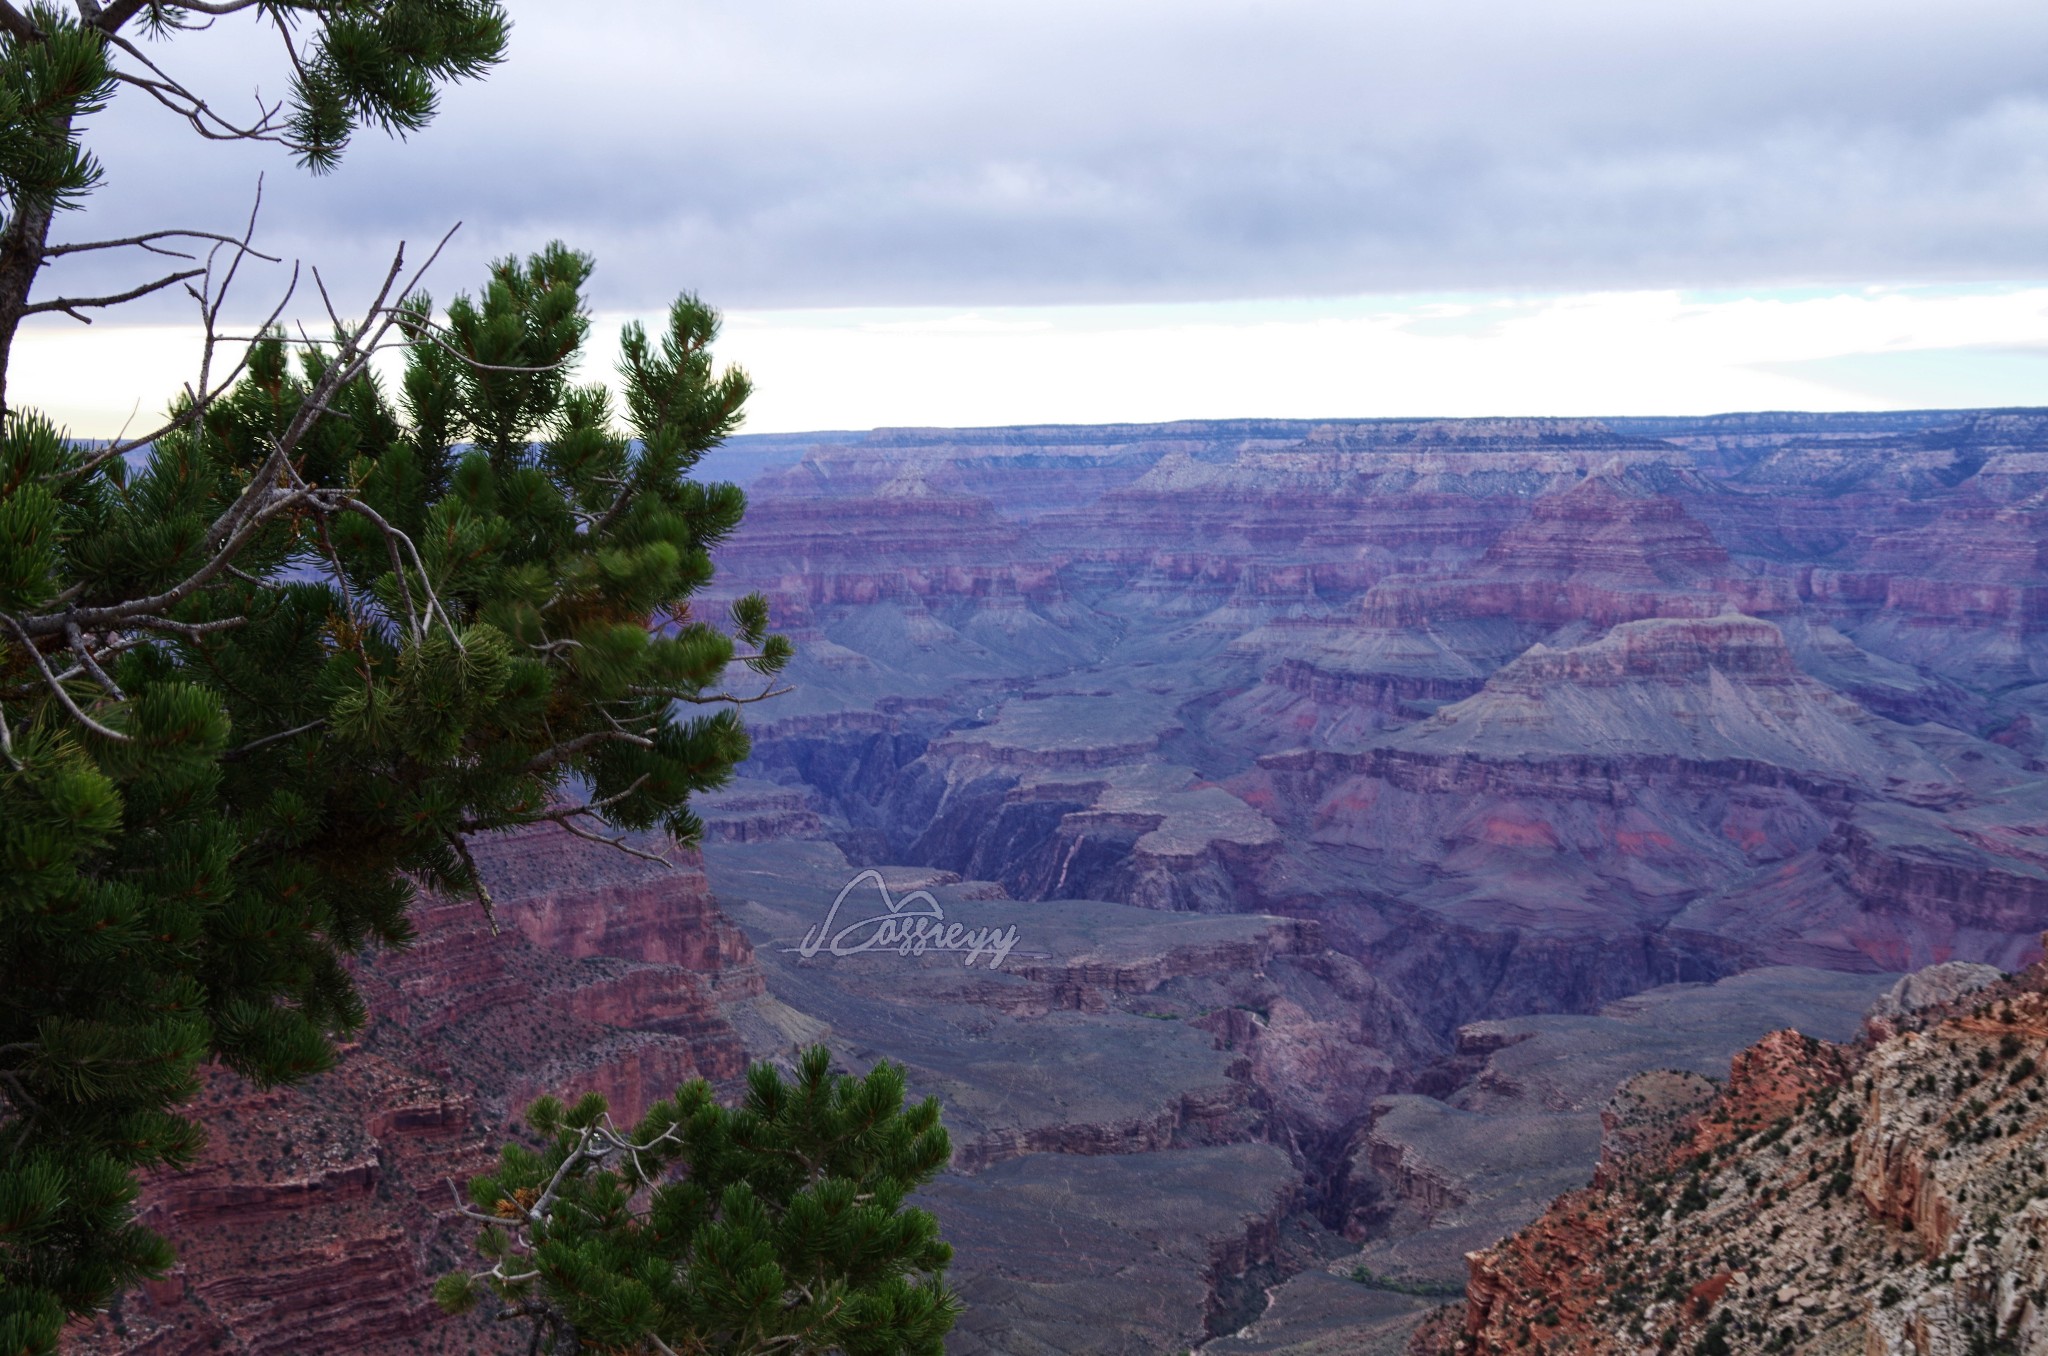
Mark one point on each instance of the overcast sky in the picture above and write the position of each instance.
(928, 211)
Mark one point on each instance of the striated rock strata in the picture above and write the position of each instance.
(314, 1220)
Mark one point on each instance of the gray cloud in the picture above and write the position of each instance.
(795, 153)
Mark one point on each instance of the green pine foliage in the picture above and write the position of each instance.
(777, 1226)
(233, 746)
(45, 87)
(258, 687)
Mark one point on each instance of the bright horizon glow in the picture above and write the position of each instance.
(1598, 353)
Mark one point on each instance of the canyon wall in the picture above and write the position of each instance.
(1664, 699)
(315, 1219)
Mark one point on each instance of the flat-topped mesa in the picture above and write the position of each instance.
(1703, 691)
(1663, 649)
(915, 490)
(1029, 470)
(910, 535)
(1509, 433)
(844, 528)
(1360, 465)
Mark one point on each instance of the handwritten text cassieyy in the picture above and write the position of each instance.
(905, 930)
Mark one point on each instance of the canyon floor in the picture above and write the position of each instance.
(1131, 1174)
(1370, 800)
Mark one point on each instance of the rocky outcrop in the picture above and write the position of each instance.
(1881, 1197)
(1936, 987)
(309, 1223)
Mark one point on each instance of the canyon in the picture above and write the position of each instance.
(1371, 801)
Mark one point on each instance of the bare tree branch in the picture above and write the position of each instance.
(120, 12)
(715, 698)
(236, 755)
(71, 305)
(476, 879)
(147, 239)
(619, 841)
(566, 815)
(172, 93)
(193, 630)
(91, 665)
(210, 303)
(393, 538)
(568, 749)
(64, 698)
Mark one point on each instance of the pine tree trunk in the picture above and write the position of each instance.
(21, 258)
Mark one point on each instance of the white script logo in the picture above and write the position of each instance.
(905, 930)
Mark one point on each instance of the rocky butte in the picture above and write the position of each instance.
(1371, 801)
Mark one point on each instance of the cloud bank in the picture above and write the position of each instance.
(1579, 354)
(793, 153)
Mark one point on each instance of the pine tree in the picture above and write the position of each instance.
(257, 691)
(349, 64)
(777, 1226)
(263, 672)
(166, 890)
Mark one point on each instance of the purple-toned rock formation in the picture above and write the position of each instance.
(1370, 799)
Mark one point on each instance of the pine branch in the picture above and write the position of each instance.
(18, 25)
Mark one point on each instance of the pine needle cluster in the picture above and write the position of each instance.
(776, 1226)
